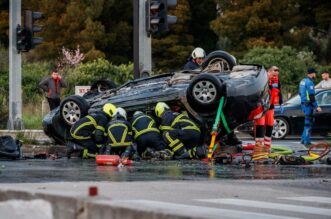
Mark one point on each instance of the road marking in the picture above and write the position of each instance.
(198, 211)
(269, 205)
(317, 199)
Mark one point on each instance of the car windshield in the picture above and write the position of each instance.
(294, 100)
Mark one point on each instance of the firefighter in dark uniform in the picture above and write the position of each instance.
(88, 133)
(181, 134)
(120, 135)
(148, 137)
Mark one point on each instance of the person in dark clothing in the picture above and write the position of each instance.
(120, 135)
(52, 86)
(196, 59)
(308, 105)
(88, 133)
(148, 138)
(181, 133)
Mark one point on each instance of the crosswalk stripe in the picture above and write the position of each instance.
(199, 211)
(269, 205)
(318, 199)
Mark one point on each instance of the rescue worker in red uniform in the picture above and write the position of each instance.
(181, 133)
(120, 135)
(264, 125)
(148, 137)
(88, 133)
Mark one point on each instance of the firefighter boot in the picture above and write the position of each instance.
(73, 147)
(260, 152)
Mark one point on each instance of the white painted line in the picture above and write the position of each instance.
(318, 199)
(269, 205)
(197, 211)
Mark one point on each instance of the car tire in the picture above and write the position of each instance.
(219, 61)
(103, 85)
(281, 128)
(204, 92)
(99, 86)
(73, 108)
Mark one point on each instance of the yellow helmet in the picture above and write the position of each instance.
(160, 108)
(109, 109)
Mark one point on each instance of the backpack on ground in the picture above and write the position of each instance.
(10, 148)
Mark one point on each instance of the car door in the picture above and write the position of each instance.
(323, 118)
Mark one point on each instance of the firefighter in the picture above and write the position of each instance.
(181, 134)
(120, 135)
(264, 125)
(88, 133)
(148, 138)
(196, 59)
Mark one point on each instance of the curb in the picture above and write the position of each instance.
(68, 207)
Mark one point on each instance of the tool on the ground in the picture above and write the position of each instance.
(113, 160)
(214, 131)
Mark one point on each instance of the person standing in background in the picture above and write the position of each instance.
(308, 104)
(52, 87)
(326, 82)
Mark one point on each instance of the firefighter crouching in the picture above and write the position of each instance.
(88, 133)
(181, 134)
(148, 138)
(119, 135)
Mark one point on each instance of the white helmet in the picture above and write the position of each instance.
(137, 113)
(198, 53)
(120, 111)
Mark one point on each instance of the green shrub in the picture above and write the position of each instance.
(32, 74)
(293, 64)
(87, 73)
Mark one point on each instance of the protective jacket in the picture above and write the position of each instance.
(119, 132)
(307, 92)
(146, 134)
(191, 65)
(90, 126)
(143, 124)
(275, 92)
(173, 120)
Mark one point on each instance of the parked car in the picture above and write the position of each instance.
(244, 88)
(292, 120)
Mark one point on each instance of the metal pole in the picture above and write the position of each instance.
(142, 42)
(15, 72)
(136, 39)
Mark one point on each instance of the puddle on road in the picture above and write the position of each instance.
(86, 170)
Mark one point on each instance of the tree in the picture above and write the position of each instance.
(242, 25)
(171, 50)
(292, 63)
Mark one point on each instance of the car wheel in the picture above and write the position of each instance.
(219, 61)
(73, 108)
(281, 128)
(204, 91)
(103, 85)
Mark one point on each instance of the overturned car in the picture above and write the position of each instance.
(244, 88)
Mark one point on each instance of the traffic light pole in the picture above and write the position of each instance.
(15, 121)
(142, 42)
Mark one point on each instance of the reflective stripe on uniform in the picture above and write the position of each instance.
(91, 122)
(175, 144)
(86, 154)
(179, 119)
(149, 128)
(122, 141)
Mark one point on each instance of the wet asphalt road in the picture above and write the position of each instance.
(39, 170)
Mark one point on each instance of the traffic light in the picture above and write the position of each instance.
(157, 18)
(22, 39)
(29, 19)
